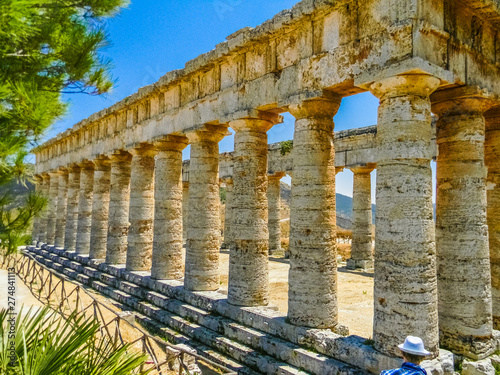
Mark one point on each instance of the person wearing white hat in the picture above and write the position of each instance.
(413, 353)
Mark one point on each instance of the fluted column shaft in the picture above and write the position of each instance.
(62, 207)
(312, 295)
(202, 246)
(141, 212)
(248, 283)
(361, 248)
(405, 298)
(85, 208)
(167, 242)
(72, 207)
(119, 201)
(35, 233)
(42, 236)
(52, 207)
(463, 259)
(274, 211)
(100, 208)
(228, 214)
(492, 160)
(185, 201)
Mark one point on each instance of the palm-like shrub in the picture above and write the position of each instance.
(42, 342)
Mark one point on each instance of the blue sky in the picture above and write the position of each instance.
(150, 38)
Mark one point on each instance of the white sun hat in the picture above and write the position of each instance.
(414, 345)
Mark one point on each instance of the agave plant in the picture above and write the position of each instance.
(42, 342)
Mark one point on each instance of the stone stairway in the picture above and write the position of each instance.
(249, 340)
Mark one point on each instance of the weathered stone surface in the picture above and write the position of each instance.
(248, 283)
(62, 202)
(185, 200)
(274, 210)
(36, 231)
(312, 296)
(483, 367)
(228, 213)
(52, 207)
(119, 200)
(167, 260)
(141, 211)
(72, 207)
(463, 259)
(405, 286)
(202, 246)
(100, 208)
(85, 208)
(42, 236)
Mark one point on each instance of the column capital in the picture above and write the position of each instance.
(463, 100)
(73, 168)
(362, 169)
(171, 143)
(263, 122)
(324, 106)
(213, 133)
(38, 178)
(338, 170)
(185, 184)
(408, 84)
(102, 163)
(86, 165)
(54, 173)
(143, 149)
(120, 156)
(276, 175)
(492, 118)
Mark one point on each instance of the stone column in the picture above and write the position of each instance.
(35, 233)
(42, 236)
(361, 249)
(203, 232)
(100, 208)
(312, 295)
(405, 298)
(167, 242)
(142, 205)
(228, 215)
(248, 283)
(52, 207)
(72, 207)
(119, 200)
(62, 202)
(492, 160)
(274, 211)
(85, 207)
(185, 200)
(463, 259)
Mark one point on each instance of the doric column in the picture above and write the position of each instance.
(72, 207)
(228, 214)
(100, 208)
(463, 259)
(52, 206)
(405, 298)
(35, 233)
(492, 160)
(85, 207)
(274, 211)
(361, 249)
(185, 200)
(62, 202)
(119, 200)
(312, 295)
(248, 283)
(42, 234)
(167, 242)
(202, 246)
(141, 212)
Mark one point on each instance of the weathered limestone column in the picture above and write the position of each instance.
(405, 298)
(119, 200)
(52, 206)
(142, 205)
(85, 207)
(312, 296)
(42, 235)
(203, 232)
(274, 211)
(100, 208)
(492, 160)
(361, 249)
(72, 207)
(248, 283)
(62, 202)
(167, 242)
(185, 200)
(35, 233)
(228, 215)
(463, 259)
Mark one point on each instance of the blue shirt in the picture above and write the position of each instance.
(406, 368)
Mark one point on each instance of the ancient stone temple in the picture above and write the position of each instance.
(121, 197)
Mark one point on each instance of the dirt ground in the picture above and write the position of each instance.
(355, 293)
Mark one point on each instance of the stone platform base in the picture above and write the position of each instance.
(353, 264)
(257, 339)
